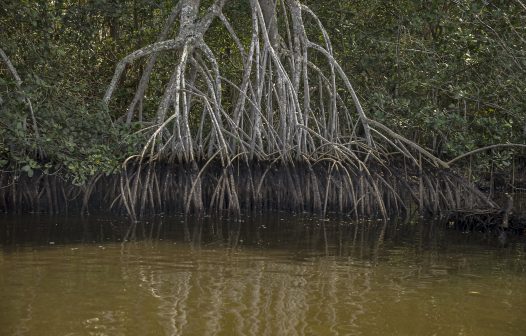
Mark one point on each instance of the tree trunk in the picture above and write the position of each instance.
(268, 7)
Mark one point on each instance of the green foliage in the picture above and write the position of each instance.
(65, 53)
(447, 74)
(75, 139)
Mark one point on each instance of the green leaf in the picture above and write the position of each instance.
(28, 170)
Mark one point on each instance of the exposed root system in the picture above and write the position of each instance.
(288, 132)
(318, 187)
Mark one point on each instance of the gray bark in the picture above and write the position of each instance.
(145, 77)
(268, 7)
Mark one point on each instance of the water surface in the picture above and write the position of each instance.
(275, 275)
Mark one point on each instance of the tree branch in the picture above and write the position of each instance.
(484, 149)
(18, 82)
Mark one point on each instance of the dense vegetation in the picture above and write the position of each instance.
(448, 75)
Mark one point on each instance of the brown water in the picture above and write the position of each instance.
(279, 275)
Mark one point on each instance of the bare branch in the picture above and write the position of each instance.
(145, 77)
(18, 82)
(485, 149)
(11, 68)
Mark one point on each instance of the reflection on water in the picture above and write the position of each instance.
(269, 276)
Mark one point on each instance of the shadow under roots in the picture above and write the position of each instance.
(247, 187)
(319, 187)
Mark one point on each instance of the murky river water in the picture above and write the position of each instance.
(278, 275)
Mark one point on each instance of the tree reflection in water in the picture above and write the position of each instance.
(281, 275)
